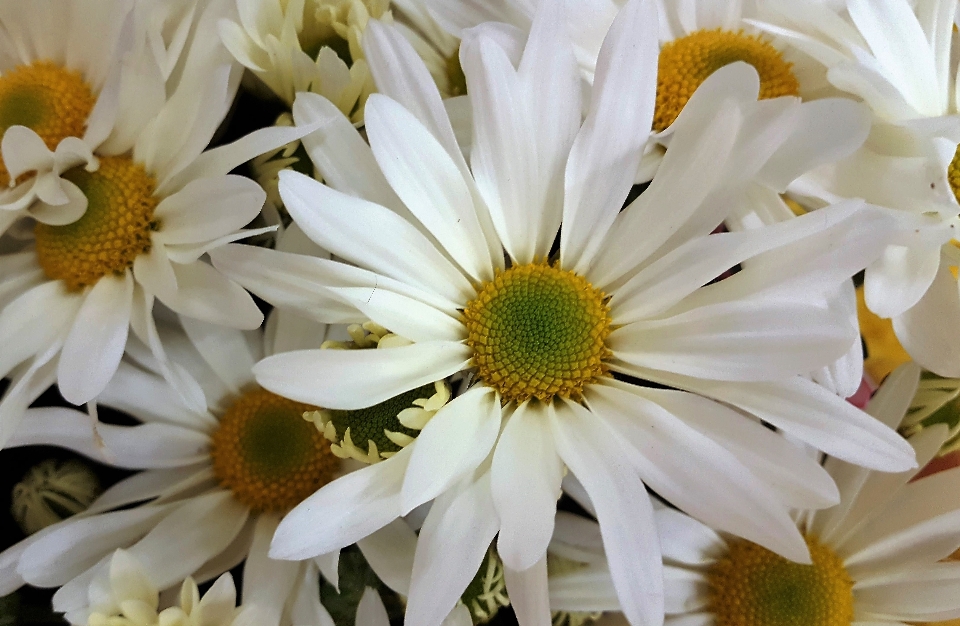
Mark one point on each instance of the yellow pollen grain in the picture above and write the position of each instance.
(538, 331)
(111, 234)
(268, 455)
(49, 99)
(752, 586)
(686, 62)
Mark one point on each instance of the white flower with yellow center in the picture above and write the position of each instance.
(896, 56)
(878, 557)
(212, 485)
(154, 205)
(61, 84)
(460, 260)
(125, 596)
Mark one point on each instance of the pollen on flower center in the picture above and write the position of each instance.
(268, 455)
(752, 586)
(111, 234)
(953, 174)
(538, 331)
(51, 100)
(686, 62)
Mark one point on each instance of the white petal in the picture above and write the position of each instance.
(455, 441)
(92, 350)
(525, 481)
(897, 280)
(353, 379)
(371, 236)
(809, 412)
(771, 340)
(528, 593)
(189, 536)
(427, 180)
(389, 552)
(70, 549)
(606, 154)
(342, 512)
(24, 151)
(208, 208)
(133, 447)
(685, 541)
(453, 541)
(922, 330)
(33, 321)
(796, 477)
(339, 152)
(370, 611)
(267, 583)
(225, 350)
(716, 488)
(206, 294)
(623, 510)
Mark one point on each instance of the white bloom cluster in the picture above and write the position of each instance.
(567, 307)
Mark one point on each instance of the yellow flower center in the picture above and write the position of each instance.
(114, 230)
(538, 331)
(953, 174)
(51, 100)
(686, 62)
(268, 455)
(752, 586)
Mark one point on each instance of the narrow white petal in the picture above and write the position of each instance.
(267, 583)
(225, 350)
(92, 350)
(389, 552)
(455, 441)
(206, 294)
(609, 145)
(623, 510)
(370, 611)
(453, 541)
(343, 512)
(932, 343)
(528, 593)
(208, 208)
(525, 480)
(897, 280)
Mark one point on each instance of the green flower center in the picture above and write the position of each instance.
(538, 331)
(268, 455)
(752, 586)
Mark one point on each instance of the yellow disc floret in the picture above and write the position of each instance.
(114, 230)
(953, 174)
(538, 331)
(51, 100)
(686, 62)
(752, 586)
(268, 455)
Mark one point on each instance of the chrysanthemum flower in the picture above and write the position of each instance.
(154, 203)
(127, 597)
(211, 488)
(877, 557)
(897, 59)
(461, 260)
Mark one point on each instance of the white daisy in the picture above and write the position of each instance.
(315, 46)
(877, 557)
(896, 57)
(430, 234)
(212, 485)
(156, 204)
(127, 597)
(65, 67)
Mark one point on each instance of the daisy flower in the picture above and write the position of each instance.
(459, 260)
(127, 597)
(154, 205)
(878, 557)
(212, 485)
(897, 59)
